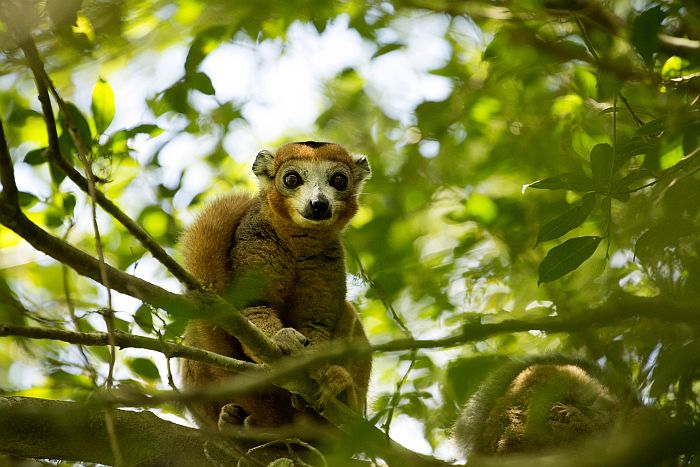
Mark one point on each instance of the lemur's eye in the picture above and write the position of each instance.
(339, 182)
(292, 180)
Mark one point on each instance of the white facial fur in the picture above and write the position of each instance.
(315, 187)
(314, 198)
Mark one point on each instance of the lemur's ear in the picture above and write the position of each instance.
(361, 170)
(262, 167)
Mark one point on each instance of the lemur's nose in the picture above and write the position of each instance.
(319, 206)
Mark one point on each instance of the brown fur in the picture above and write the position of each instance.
(280, 275)
(546, 403)
(544, 406)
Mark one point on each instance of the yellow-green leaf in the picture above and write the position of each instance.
(102, 105)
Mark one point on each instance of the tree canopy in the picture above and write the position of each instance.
(535, 189)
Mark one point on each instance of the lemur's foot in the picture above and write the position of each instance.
(231, 415)
(565, 413)
(290, 340)
(332, 380)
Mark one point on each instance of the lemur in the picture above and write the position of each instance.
(278, 258)
(538, 403)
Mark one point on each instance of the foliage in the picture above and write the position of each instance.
(547, 164)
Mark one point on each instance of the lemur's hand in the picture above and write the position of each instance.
(332, 380)
(289, 340)
(566, 413)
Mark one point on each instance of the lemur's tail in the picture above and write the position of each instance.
(207, 243)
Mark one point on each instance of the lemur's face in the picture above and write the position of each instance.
(315, 192)
(312, 185)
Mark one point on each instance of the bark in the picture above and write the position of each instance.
(38, 428)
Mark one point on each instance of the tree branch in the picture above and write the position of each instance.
(125, 340)
(7, 175)
(614, 311)
(38, 428)
(43, 85)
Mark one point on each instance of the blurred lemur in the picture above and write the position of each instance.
(539, 403)
(277, 257)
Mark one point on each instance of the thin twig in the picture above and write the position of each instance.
(636, 119)
(396, 396)
(584, 36)
(682, 164)
(65, 272)
(126, 340)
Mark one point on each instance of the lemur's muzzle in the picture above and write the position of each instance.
(318, 209)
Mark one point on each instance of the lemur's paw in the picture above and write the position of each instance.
(332, 380)
(565, 413)
(231, 415)
(290, 340)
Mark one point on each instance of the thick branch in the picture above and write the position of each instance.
(43, 84)
(40, 428)
(343, 417)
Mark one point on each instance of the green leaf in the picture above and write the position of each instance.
(68, 202)
(673, 67)
(651, 244)
(621, 188)
(566, 257)
(387, 48)
(568, 221)
(202, 45)
(20, 115)
(565, 181)
(645, 31)
(26, 200)
(629, 148)
(635, 176)
(174, 98)
(35, 157)
(602, 165)
(81, 126)
(144, 318)
(120, 324)
(652, 128)
(102, 105)
(145, 368)
(201, 82)
(150, 129)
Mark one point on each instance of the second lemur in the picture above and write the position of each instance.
(539, 403)
(277, 257)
